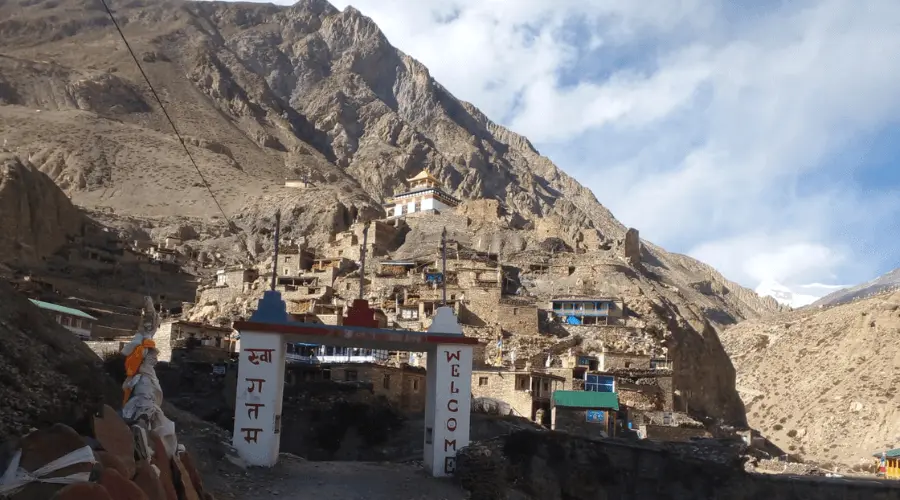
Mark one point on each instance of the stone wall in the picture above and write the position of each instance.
(669, 433)
(502, 386)
(518, 320)
(103, 347)
(163, 340)
(557, 466)
(610, 360)
(574, 421)
(646, 394)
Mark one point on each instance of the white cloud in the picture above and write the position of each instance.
(717, 130)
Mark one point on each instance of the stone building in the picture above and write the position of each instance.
(527, 392)
(177, 340)
(404, 386)
(293, 261)
(631, 247)
(425, 194)
(592, 414)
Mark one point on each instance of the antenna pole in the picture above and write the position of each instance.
(444, 267)
(277, 242)
(362, 261)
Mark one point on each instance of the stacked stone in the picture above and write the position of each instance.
(118, 462)
(482, 471)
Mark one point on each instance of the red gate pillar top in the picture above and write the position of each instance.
(360, 314)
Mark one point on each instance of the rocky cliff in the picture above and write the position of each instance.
(263, 93)
(35, 214)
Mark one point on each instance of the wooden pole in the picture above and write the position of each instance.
(277, 241)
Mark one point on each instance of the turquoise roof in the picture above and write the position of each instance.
(61, 309)
(586, 399)
(895, 453)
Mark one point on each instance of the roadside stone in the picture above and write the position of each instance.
(115, 436)
(44, 446)
(147, 479)
(187, 486)
(188, 461)
(164, 464)
(110, 461)
(82, 491)
(120, 488)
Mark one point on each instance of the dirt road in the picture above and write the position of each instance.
(295, 479)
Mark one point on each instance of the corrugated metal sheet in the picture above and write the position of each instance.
(61, 309)
(583, 399)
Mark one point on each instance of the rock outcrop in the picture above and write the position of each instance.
(36, 216)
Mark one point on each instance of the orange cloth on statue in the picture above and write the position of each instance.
(133, 363)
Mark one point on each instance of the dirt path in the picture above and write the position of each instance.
(295, 479)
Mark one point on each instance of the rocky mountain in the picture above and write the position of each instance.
(823, 383)
(262, 93)
(884, 283)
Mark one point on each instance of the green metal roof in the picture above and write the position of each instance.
(895, 453)
(61, 309)
(586, 399)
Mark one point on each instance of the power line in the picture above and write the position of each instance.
(231, 225)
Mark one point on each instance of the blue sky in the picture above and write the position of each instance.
(760, 137)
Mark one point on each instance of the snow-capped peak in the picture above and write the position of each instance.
(784, 295)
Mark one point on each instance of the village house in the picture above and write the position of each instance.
(77, 322)
(177, 340)
(403, 386)
(592, 414)
(588, 311)
(425, 194)
(293, 261)
(527, 392)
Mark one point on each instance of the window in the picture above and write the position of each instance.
(415, 383)
(522, 382)
(482, 381)
(59, 319)
(386, 381)
(66, 321)
(351, 376)
(599, 383)
(417, 207)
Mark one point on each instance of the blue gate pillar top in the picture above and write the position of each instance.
(271, 309)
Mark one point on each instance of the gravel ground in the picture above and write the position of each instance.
(295, 478)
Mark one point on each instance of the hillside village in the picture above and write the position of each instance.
(540, 327)
(375, 201)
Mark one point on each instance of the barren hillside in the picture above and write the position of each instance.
(262, 93)
(823, 383)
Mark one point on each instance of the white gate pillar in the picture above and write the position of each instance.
(449, 397)
(260, 388)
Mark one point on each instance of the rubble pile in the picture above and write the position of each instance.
(114, 461)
